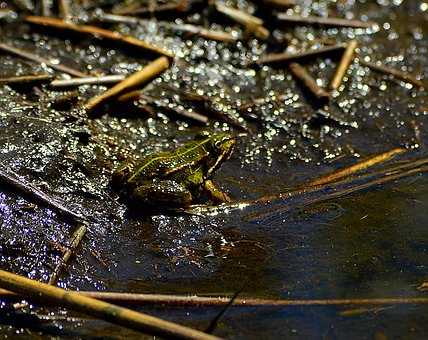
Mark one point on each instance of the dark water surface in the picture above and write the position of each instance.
(371, 244)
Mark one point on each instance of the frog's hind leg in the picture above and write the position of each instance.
(165, 193)
(215, 193)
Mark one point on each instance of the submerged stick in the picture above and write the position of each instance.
(308, 82)
(97, 32)
(75, 241)
(136, 79)
(324, 21)
(40, 60)
(74, 82)
(64, 9)
(276, 58)
(408, 78)
(360, 166)
(343, 66)
(131, 299)
(44, 293)
(186, 28)
(19, 80)
(252, 23)
(11, 179)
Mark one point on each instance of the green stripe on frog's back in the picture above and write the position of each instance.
(174, 159)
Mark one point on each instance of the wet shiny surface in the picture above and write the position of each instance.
(370, 244)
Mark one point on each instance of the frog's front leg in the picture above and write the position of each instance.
(215, 193)
(162, 193)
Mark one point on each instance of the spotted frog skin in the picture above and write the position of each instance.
(175, 178)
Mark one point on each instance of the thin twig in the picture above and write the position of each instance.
(276, 58)
(136, 79)
(343, 66)
(251, 23)
(308, 82)
(360, 166)
(40, 60)
(131, 299)
(324, 21)
(186, 28)
(45, 293)
(75, 241)
(30, 79)
(11, 179)
(408, 78)
(74, 82)
(64, 9)
(97, 32)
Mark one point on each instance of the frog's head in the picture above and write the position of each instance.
(221, 147)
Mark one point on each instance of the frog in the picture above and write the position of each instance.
(176, 178)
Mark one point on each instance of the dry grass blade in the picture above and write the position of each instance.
(136, 79)
(97, 32)
(300, 73)
(343, 66)
(20, 80)
(279, 4)
(45, 7)
(74, 82)
(40, 60)
(64, 9)
(75, 241)
(360, 166)
(324, 21)
(408, 78)
(45, 293)
(278, 58)
(251, 23)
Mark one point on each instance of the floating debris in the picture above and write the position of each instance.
(343, 66)
(148, 72)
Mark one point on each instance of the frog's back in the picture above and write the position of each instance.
(165, 163)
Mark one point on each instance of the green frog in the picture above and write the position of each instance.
(175, 178)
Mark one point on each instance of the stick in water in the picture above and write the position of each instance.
(31, 79)
(74, 82)
(97, 32)
(75, 241)
(45, 293)
(147, 73)
(393, 72)
(343, 66)
(308, 82)
(40, 60)
(276, 58)
(322, 21)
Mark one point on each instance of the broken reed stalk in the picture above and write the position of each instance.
(344, 63)
(276, 58)
(408, 78)
(178, 110)
(45, 293)
(300, 73)
(360, 166)
(324, 21)
(97, 32)
(11, 179)
(279, 4)
(74, 82)
(186, 28)
(138, 78)
(131, 299)
(40, 60)
(45, 8)
(251, 23)
(64, 9)
(71, 249)
(31, 79)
